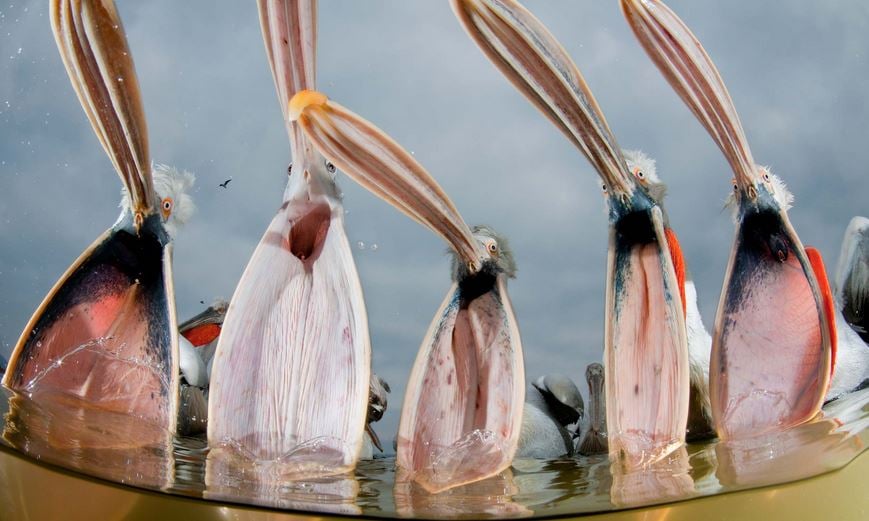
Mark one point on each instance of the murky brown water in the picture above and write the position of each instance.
(105, 445)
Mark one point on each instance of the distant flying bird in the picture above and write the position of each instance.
(462, 411)
(774, 337)
(225, 183)
(106, 332)
(645, 342)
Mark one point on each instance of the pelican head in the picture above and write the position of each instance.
(500, 259)
(642, 167)
(172, 187)
(774, 185)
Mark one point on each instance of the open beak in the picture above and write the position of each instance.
(292, 367)
(204, 328)
(773, 338)
(646, 343)
(689, 70)
(378, 163)
(533, 60)
(462, 412)
(106, 332)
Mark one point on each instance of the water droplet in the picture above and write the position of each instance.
(19, 50)
(360, 245)
(374, 246)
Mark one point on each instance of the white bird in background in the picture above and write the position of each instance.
(106, 333)
(552, 403)
(200, 335)
(851, 371)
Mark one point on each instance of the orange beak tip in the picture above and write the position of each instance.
(302, 100)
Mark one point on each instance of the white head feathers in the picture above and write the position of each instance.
(174, 204)
(637, 159)
(779, 189)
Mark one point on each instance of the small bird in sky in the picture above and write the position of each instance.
(225, 183)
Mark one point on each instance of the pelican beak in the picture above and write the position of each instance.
(646, 343)
(689, 70)
(379, 164)
(462, 412)
(293, 361)
(521, 47)
(374, 438)
(106, 333)
(773, 337)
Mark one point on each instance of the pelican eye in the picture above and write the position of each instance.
(166, 207)
(766, 177)
(330, 167)
(639, 174)
(492, 247)
(290, 169)
(603, 187)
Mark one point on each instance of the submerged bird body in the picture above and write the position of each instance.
(552, 403)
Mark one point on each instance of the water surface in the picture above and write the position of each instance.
(64, 432)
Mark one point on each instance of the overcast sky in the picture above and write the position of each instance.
(797, 71)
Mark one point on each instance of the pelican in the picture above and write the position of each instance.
(293, 360)
(645, 348)
(773, 340)
(852, 276)
(594, 438)
(552, 403)
(378, 390)
(462, 411)
(699, 425)
(106, 332)
(852, 311)
(202, 332)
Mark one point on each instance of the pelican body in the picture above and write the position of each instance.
(293, 361)
(773, 340)
(852, 312)
(645, 350)
(552, 403)
(106, 333)
(463, 405)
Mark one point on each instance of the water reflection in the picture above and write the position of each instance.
(230, 476)
(71, 433)
(65, 432)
